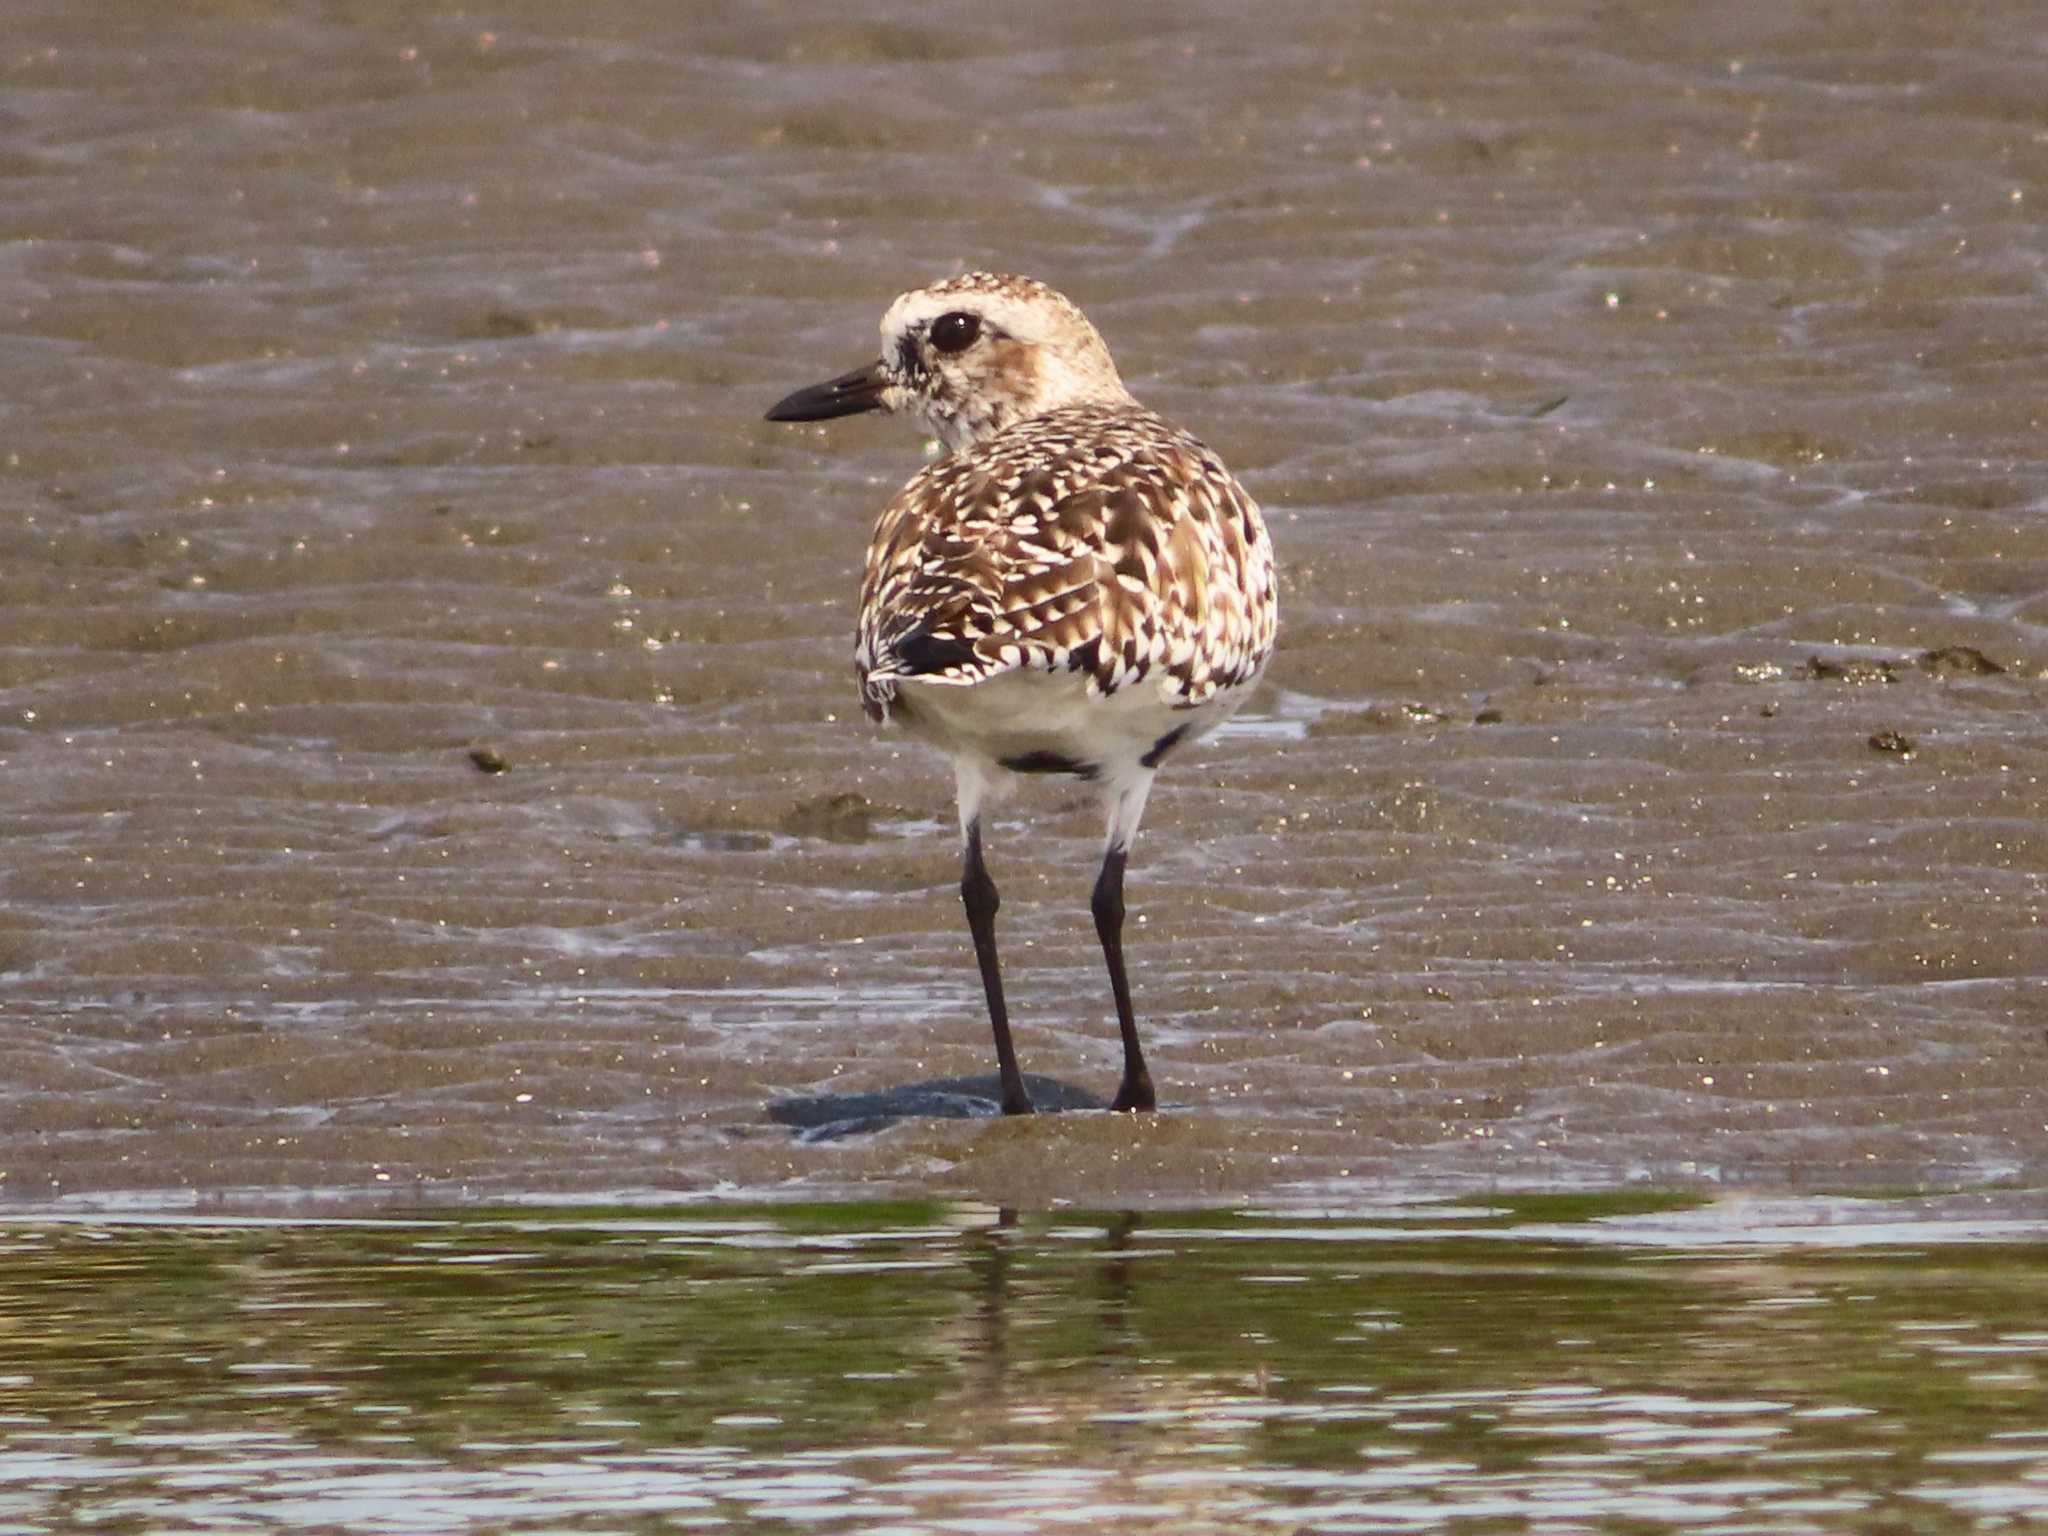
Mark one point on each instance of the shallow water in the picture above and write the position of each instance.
(1546, 1364)
(428, 759)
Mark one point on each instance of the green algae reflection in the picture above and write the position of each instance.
(1437, 1368)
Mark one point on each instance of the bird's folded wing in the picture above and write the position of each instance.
(1123, 561)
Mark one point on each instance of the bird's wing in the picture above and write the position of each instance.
(1118, 548)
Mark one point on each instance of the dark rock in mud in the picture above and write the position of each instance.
(1857, 669)
(1957, 661)
(841, 818)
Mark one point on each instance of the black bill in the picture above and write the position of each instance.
(847, 395)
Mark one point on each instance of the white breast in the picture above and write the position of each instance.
(1037, 716)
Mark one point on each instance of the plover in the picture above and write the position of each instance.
(1077, 587)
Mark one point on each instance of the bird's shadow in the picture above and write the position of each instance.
(831, 1116)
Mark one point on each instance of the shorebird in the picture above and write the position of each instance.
(1076, 587)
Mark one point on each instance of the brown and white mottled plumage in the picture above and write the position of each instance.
(1095, 539)
(1078, 586)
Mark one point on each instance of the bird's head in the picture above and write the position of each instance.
(967, 357)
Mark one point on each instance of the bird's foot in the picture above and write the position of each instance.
(1134, 1094)
(1017, 1101)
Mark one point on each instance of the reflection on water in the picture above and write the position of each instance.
(923, 1368)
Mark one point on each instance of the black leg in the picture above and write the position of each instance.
(978, 895)
(1135, 1092)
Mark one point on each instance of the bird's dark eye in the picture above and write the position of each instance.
(955, 331)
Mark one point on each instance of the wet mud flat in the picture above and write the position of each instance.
(428, 762)
(1633, 1364)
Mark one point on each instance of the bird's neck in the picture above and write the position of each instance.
(962, 424)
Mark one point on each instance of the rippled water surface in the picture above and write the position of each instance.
(1543, 1365)
(428, 758)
